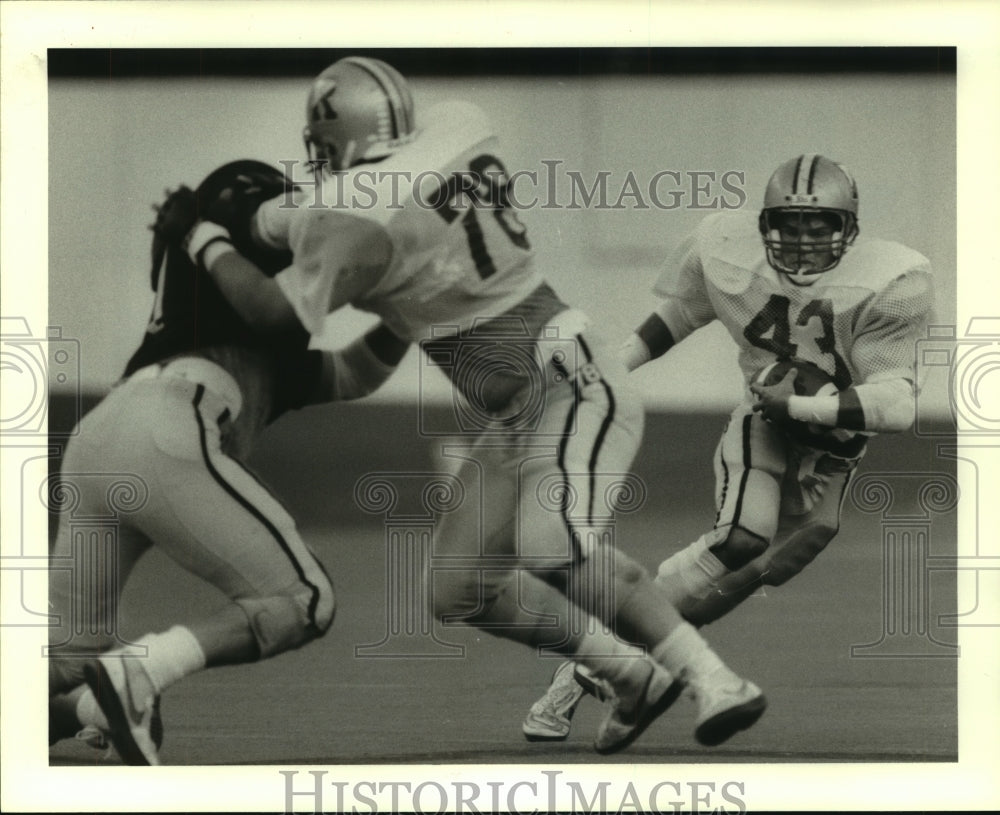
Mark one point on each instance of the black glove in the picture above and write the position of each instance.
(176, 215)
(174, 219)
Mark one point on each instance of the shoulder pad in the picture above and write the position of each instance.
(874, 264)
(731, 250)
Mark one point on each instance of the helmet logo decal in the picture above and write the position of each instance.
(390, 102)
(359, 111)
(810, 160)
(323, 109)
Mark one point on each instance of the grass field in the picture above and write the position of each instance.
(325, 705)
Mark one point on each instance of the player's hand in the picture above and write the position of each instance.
(772, 400)
(176, 215)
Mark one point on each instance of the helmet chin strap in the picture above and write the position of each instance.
(350, 149)
(802, 279)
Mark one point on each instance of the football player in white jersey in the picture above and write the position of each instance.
(789, 284)
(194, 397)
(413, 225)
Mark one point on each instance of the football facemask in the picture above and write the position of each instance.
(809, 218)
(804, 243)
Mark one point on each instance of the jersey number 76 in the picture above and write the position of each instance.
(485, 189)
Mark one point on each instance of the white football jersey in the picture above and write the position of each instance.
(858, 322)
(423, 239)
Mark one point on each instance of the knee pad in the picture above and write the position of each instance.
(286, 621)
(738, 547)
(797, 552)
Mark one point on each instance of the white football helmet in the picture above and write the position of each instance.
(809, 218)
(359, 109)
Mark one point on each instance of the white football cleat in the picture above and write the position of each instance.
(629, 714)
(727, 704)
(599, 688)
(93, 736)
(128, 700)
(549, 718)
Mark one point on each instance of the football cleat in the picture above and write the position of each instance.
(629, 714)
(549, 717)
(127, 698)
(727, 704)
(599, 688)
(96, 735)
(93, 736)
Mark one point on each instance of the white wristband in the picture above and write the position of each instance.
(206, 242)
(821, 410)
(634, 352)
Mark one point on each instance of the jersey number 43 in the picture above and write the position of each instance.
(774, 319)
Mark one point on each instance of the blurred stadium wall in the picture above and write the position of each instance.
(126, 124)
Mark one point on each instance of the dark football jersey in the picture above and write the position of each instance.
(191, 317)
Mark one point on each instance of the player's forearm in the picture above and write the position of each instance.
(256, 297)
(362, 367)
(660, 331)
(877, 407)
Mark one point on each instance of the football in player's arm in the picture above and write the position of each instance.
(791, 287)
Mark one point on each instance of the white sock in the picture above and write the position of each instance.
(89, 712)
(172, 655)
(620, 664)
(693, 572)
(686, 654)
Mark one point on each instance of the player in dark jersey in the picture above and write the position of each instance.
(196, 394)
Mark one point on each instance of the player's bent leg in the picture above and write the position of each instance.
(85, 584)
(786, 558)
(797, 551)
(624, 596)
(729, 591)
(284, 622)
(697, 573)
(238, 537)
(750, 464)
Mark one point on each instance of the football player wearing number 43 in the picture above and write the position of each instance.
(789, 292)
(447, 262)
